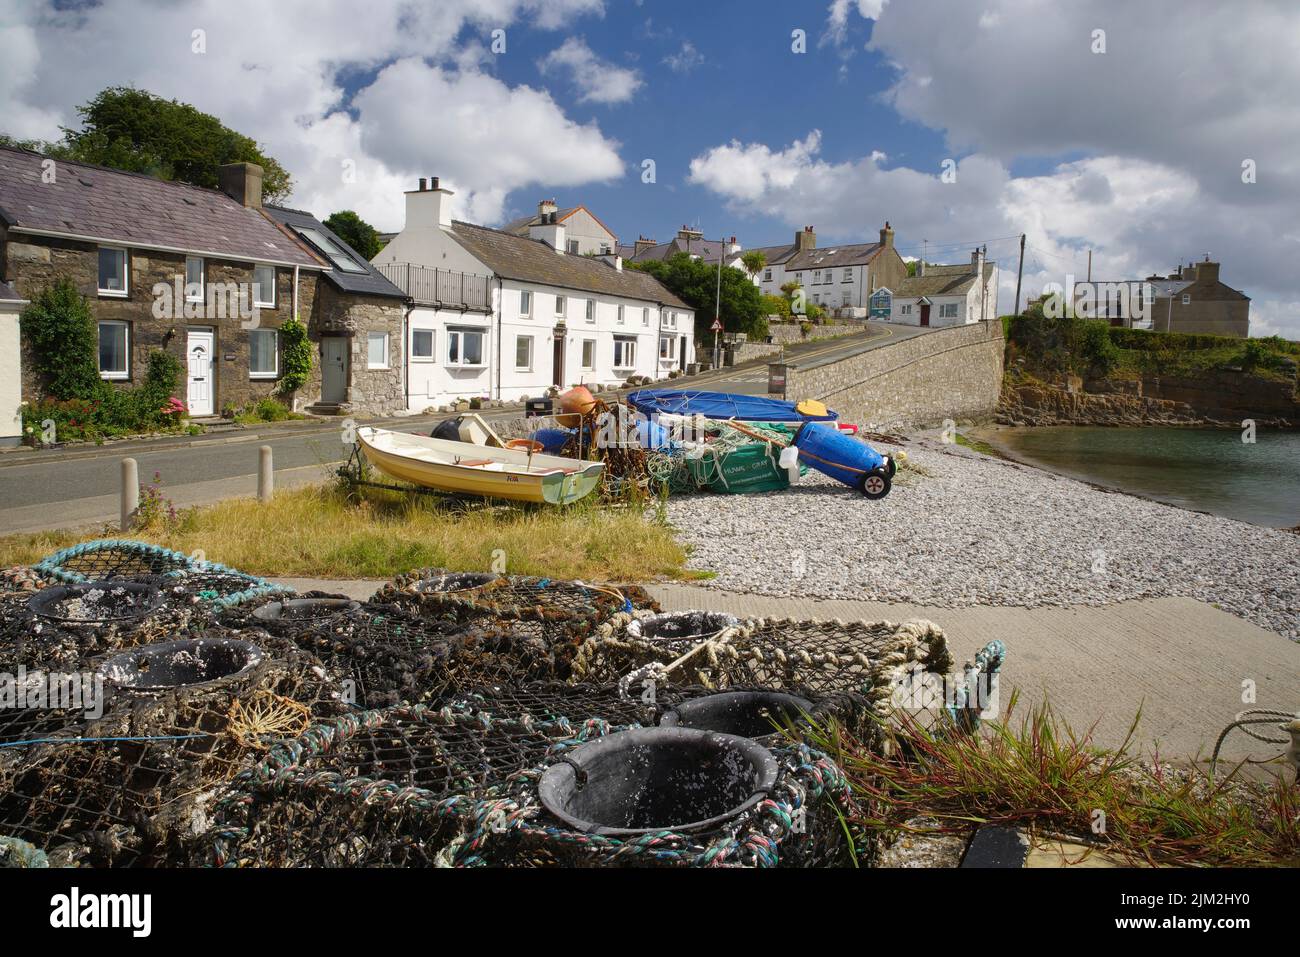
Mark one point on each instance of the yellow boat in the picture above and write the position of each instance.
(465, 469)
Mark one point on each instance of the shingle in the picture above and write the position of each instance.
(369, 283)
(138, 210)
(852, 255)
(530, 260)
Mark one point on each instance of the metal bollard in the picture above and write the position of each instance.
(265, 475)
(130, 493)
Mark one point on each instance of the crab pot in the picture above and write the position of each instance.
(455, 583)
(294, 613)
(681, 626)
(392, 787)
(188, 663)
(746, 714)
(96, 604)
(657, 779)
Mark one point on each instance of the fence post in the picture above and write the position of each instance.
(130, 493)
(265, 475)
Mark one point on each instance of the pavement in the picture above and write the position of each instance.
(1179, 661)
(78, 486)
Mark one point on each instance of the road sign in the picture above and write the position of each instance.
(717, 325)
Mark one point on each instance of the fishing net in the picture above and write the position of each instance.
(456, 785)
(132, 786)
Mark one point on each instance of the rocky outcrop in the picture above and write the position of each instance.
(1038, 403)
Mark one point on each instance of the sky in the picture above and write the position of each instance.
(1150, 133)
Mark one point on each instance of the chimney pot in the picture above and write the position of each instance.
(433, 183)
(424, 184)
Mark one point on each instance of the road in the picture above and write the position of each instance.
(79, 487)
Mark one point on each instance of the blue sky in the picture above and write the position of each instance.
(1112, 126)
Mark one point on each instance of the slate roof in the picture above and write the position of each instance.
(369, 283)
(776, 255)
(707, 250)
(941, 281)
(519, 227)
(97, 203)
(531, 260)
(851, 255)
(9, 294)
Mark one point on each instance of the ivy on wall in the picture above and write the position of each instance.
(296, 355)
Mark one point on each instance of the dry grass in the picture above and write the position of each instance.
(317, 531)
(1034, 771)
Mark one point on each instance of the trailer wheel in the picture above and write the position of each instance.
(875, 484)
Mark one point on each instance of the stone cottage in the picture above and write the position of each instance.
(207, 275)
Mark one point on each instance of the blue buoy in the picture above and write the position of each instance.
(845, 459)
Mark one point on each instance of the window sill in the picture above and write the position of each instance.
(466, 366)
(263, 305)
(115, 376)
(370, 368)
(113, 294)
(425, 359)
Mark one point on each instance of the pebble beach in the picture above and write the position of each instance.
(961, 528)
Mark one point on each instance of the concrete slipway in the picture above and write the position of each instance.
(1181, 661)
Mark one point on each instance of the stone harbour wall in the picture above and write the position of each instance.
(789, 333)
(949, 373)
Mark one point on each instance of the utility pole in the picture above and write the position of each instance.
(1020, 271)
(1089, 265)
(717, 313)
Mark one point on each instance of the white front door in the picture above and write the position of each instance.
(198, 350)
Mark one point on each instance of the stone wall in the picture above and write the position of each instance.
(790, 333)
(31, 264)
(337, 313)
(952, 373)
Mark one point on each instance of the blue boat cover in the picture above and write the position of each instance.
(721, 405)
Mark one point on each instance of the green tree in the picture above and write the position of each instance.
(63, 339)
(754, 261)
(696, 283)
(296, 350)
(356, 232)
(134, 130)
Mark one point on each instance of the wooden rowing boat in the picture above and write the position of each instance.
(465, 469)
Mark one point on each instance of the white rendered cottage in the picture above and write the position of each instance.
(946, 295)
(502, 316)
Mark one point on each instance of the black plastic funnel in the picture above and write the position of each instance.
(298, 611)
(180, 664)
(681, 625)
(657, 779)
(748, 714)
(454, 582)
(96, 603)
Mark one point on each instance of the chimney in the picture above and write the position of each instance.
(549, 231)
(544, 207)
(976, 260)
(242, 182)
(887, 236)
(614, 259)
(429, 206)
(806, 239)
(641, 245)
(1207, 271)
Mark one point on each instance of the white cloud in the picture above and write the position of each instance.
(281, 84)
(684, 60)
(597, 80)
(837, 16)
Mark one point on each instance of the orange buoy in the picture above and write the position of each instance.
(578, 399)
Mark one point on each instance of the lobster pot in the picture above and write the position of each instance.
(669, 797)
(855, 665)
(395, 787)
(182, 718)
(551, 610)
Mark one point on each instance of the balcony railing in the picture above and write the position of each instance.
(447, 288)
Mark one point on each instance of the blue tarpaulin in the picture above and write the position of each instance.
(720, 405)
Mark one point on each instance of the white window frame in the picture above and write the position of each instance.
(588, 366)
(846, 299)
(670, 319)
(948, 310)
(767, 275)
(629, 344)
(571, 246)
(645, 315)
(670, 354)
(621, 314)
(1187, 299)
(203, 278)
(905, 309)
(591, 310)
(115, 374)
(525, 304)
(124, 274)
(433, 346)
(259, 299)
(370, 337)
(527, 367)
(275, 353)
(457, 335)
(560, 305)
(848, 275)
